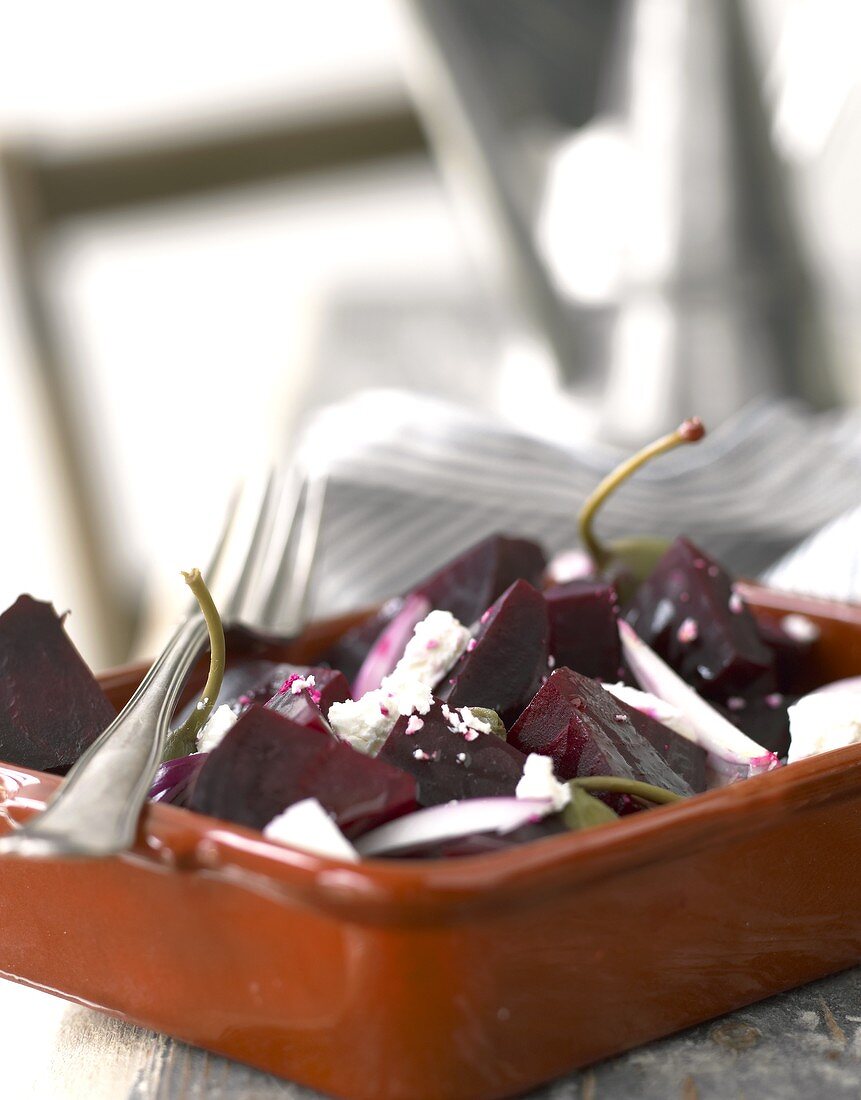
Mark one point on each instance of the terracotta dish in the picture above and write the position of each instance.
(469, 978)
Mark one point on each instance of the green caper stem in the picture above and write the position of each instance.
(618, 785)
(689, 431)
(183, 741)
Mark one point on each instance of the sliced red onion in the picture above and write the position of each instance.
(453, 821)
(174, 777)
(731, 754)
(388, 649)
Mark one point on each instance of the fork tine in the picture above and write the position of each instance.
(289, 596)
(245, 542)
(288, 504)
(215, 565)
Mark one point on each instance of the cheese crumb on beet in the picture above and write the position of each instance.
(464, 722)
(437, 643)
(538, 781)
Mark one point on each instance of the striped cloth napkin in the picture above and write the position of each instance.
(411, 480)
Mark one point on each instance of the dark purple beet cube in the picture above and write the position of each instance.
(505, 666)
(792, 652)
(446, 765)
(471, 582)
(266, 763)
(684, 757)
(763, 718)
(688, 613)
(308, 706)
(587, 731)
(263, 682)
(584, 632)
(51, 706)
(465, 586)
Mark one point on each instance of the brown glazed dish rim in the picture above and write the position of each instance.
(387, 891)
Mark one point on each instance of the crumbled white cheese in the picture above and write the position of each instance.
(654, 707)
(437, 642)
(822, 721)
(538, 781)
(365, 723)
(302, 683)
(307, 826)
(213, 731)
(464, 722)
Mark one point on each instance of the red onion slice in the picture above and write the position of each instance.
(731, 754)
(452, 821)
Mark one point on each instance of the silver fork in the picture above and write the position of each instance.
(260, 575)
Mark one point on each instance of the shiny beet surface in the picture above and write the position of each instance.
(309, 706)
(266, 763)
(465, 586)
(687, 612)
(505, 667)
(447, 766)
(584, 632)
(763, 718)
(51, 706)
(470, 583)
(791, 657)
(587, 731)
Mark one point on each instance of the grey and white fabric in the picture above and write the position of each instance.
(410, 480)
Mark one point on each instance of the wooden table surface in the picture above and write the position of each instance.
(802, 1044)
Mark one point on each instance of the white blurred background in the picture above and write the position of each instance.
(187, 334)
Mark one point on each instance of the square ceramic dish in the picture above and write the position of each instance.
(471, 978)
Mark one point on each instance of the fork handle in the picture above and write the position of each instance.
(96, 811)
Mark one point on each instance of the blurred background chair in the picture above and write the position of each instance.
(617, 160)
(46, 189)
(653, 214)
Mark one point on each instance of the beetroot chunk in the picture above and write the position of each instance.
(473, 580)
(587, 731)
(310, 705)
(687, 612)
(683, 756)
(792, 656)
(51, 706)
(763, 718)
(266, 763)
(505, 667)
(584, 631)
(465, 586)
(446, 765)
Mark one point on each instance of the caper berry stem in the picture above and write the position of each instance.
(183, 740)
(617, 785)
(689, 431)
